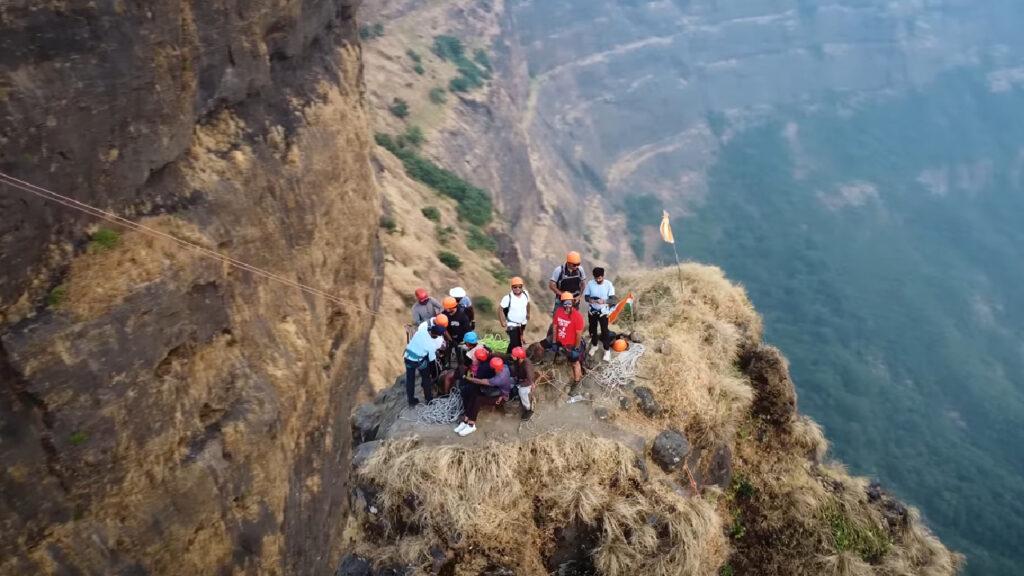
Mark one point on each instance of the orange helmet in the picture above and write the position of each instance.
(516, 281)
(482, 354)
(518, 353)
(497, 363)
(573, 257)
(441, 320)
(566, 296)
(449, 303)
(620, 345)
(422, 294)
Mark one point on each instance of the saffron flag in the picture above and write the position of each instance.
(666, 228)
(626, 302)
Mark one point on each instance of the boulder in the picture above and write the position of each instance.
(363, 453)
(669, 450)
(645, 400)
(352, 565)
(625, 403)
(601, 413)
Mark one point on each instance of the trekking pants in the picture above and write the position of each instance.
(599, 320)
(515, 336)
(423, 367)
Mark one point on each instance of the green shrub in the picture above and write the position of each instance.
(481, 58)
(474, 205)
(78, 438)
(438, 95)
(419, 69)
(500, 273)
(103, 239)
(444, 234)
(365, 32)
(483, 304)
(480, 241)
(471, 74)
(57, 296)
(414, 56)
(449, 48)
(388, 223)
(399, 107)
(449, 259)
(413, 136)
(431, 213)
(378, 30)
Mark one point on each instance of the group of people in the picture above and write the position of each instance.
(445, 350)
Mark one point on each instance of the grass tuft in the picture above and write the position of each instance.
(102, 240)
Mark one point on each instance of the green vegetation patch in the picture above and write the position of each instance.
(474, 205)
(483, 304)
(449, 259)
(399, 108)
(480, 241)
(419, 69)
(444, 234)
(103, 239)
(867, 541)
(438, 95)
(57, 296)
(500, 273)
(431, 213)
(371, 31)
(472, 73)
(388, 223)
(78, 438)
(414, 55)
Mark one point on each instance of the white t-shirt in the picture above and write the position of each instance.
(602, 291)
(516, 308)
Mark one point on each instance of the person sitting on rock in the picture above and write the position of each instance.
(466, 360)
(525, 376)
(420, 355)
(567, 331)
(493, 391)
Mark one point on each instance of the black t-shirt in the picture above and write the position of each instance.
(458, 324)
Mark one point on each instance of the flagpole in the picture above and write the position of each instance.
(667, 236)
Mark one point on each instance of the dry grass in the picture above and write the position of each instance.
(704, 320)
(505, 502)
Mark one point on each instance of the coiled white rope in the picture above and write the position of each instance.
(614, 374)
(443, 410)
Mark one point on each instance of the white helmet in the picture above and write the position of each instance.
(458, 292)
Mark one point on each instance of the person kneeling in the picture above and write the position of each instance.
(492, 391)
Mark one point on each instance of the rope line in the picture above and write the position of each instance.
(68, 202)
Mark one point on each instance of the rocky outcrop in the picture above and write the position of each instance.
(168, 414)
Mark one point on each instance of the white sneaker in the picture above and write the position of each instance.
(469, 429)
(593, 350)
(460, 427)
(607, 355)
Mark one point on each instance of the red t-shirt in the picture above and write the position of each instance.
(566, 326)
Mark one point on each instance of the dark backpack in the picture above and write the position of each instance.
(576, 278)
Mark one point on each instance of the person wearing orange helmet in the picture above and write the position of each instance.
(458, 324)
(514, 312)
(492, 391)
(524, 375)
(567, 334)
(568, 277)
(425, 307)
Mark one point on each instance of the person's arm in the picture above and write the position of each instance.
(501, 311)
(553, 286)
(477, 381)
(527, 309)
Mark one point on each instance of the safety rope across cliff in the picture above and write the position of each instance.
(68, 202)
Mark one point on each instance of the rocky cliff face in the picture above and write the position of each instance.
(163, 413)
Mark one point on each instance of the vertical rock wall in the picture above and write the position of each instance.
(167, 414)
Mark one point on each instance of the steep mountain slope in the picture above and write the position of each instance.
(163, 413)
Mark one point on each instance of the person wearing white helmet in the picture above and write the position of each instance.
(465, 303)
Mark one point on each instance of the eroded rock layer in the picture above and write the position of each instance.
(162, 412)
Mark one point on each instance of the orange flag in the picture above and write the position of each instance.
(627, 301)
(666, 228)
